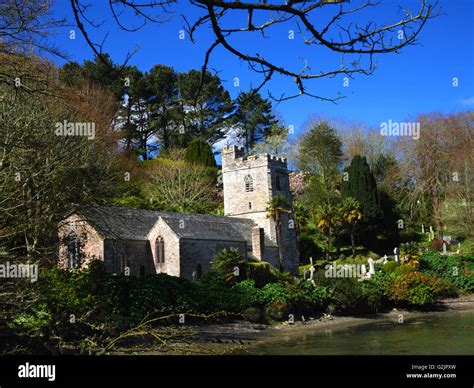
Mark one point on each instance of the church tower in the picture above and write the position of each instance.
(250, 182)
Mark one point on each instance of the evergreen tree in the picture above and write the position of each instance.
(204, 107)
(361, 185)
(199, 152)
(320, 155)
(254, 118)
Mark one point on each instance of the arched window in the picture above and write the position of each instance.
(248, 180)
(160, 251)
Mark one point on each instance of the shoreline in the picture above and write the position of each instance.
(237, 337)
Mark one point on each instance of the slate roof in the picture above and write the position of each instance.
(135, 224)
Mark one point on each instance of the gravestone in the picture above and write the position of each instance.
(311, 269)
(371, 266)
(396, 252)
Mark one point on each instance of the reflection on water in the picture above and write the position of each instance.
(448, 334)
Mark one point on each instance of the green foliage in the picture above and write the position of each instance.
(453, 268)
(254, 118)
(274, 292)
(275, 142)
(361, 185)
(346, 293)
(390, 267)
(215, 294)
(226, 261)
(416, 288)
(411, 248)
(299, 298)
(320, 154)
(247, 295)
(36, 320)
(375, 291)
(260, 272)
(199, 152)
(208, 104)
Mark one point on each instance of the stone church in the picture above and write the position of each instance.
(146, 242)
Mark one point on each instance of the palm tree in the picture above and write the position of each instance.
(275, 208)
(326, 221)
(351, 215)
(300, 215)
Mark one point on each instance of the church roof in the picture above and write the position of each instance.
(134, 224)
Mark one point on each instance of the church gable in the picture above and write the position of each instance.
(164, 244)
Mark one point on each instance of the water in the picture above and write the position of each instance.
(443, 334)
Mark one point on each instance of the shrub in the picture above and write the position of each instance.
(159, 292)
(410, 248)
(390, 267)
(247, 295)
(261, 272)
(226, 261)
(416, 288)
(455, 269)
(346, 293)
(375, 290)
(274, 292)
(306, 298)
(215, 294)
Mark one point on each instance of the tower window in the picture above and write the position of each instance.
(250, 205)
(278, 183)
(248, 180)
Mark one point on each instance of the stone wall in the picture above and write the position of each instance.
(91, 243)
(171, 243)
(135, 254)
(194, 252)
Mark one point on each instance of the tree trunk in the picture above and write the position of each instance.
(353, 241)
(327, 248)
(278, 237)
(437, 216)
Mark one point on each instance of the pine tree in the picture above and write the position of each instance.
(254, 118)
(361, 185)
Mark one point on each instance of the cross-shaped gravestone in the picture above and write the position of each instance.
(311, 269)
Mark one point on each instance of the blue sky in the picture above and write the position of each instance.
(418, 80)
